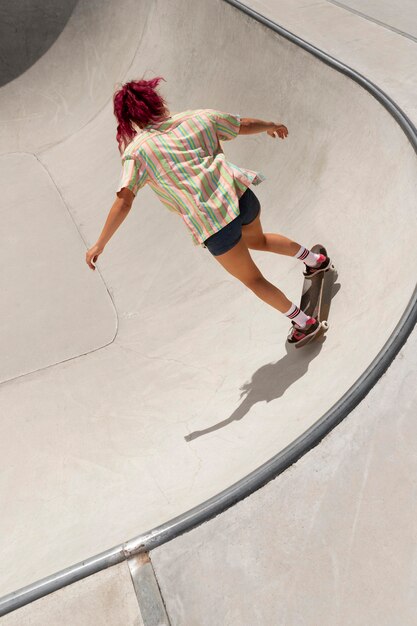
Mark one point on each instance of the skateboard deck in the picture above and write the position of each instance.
(312, 298)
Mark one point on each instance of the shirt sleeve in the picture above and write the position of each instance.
(227, 125)
(134, 175)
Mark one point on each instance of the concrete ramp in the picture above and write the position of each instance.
(134, 393)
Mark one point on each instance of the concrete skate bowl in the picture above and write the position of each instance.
(158, 384)
(27, 31)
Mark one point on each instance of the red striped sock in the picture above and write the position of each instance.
(309, 258)
(295, 314)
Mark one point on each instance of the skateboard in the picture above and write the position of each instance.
(312, 298)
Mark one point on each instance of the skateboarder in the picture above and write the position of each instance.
(180, 156)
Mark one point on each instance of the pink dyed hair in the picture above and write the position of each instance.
(137, 102)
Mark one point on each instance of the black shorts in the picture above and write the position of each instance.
(229, 235)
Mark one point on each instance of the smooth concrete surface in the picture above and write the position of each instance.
(52, 309)
(95, 446)
(383, 56)
(74, 79)
(106, 598)
(27, 29)
(330, 542)
(399, 16)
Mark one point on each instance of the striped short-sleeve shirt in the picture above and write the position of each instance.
(182, 160)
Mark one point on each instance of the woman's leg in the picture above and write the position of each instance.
(239, 263)
(256, 239)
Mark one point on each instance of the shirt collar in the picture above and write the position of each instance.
(156, 124)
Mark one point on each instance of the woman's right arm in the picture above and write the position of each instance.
(250, 126)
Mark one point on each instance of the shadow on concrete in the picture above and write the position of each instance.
(272, 380)
(28, 29)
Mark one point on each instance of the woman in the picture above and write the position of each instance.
(181, 158)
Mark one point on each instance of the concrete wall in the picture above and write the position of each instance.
(27, 29)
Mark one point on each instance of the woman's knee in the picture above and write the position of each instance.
(238, 262)
(253, 282)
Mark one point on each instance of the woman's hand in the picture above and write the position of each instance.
(118, 212)
(92, 255)
(278, 129)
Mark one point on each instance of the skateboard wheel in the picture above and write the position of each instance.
(325, 325)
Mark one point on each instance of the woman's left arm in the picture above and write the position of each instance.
(118, 212)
